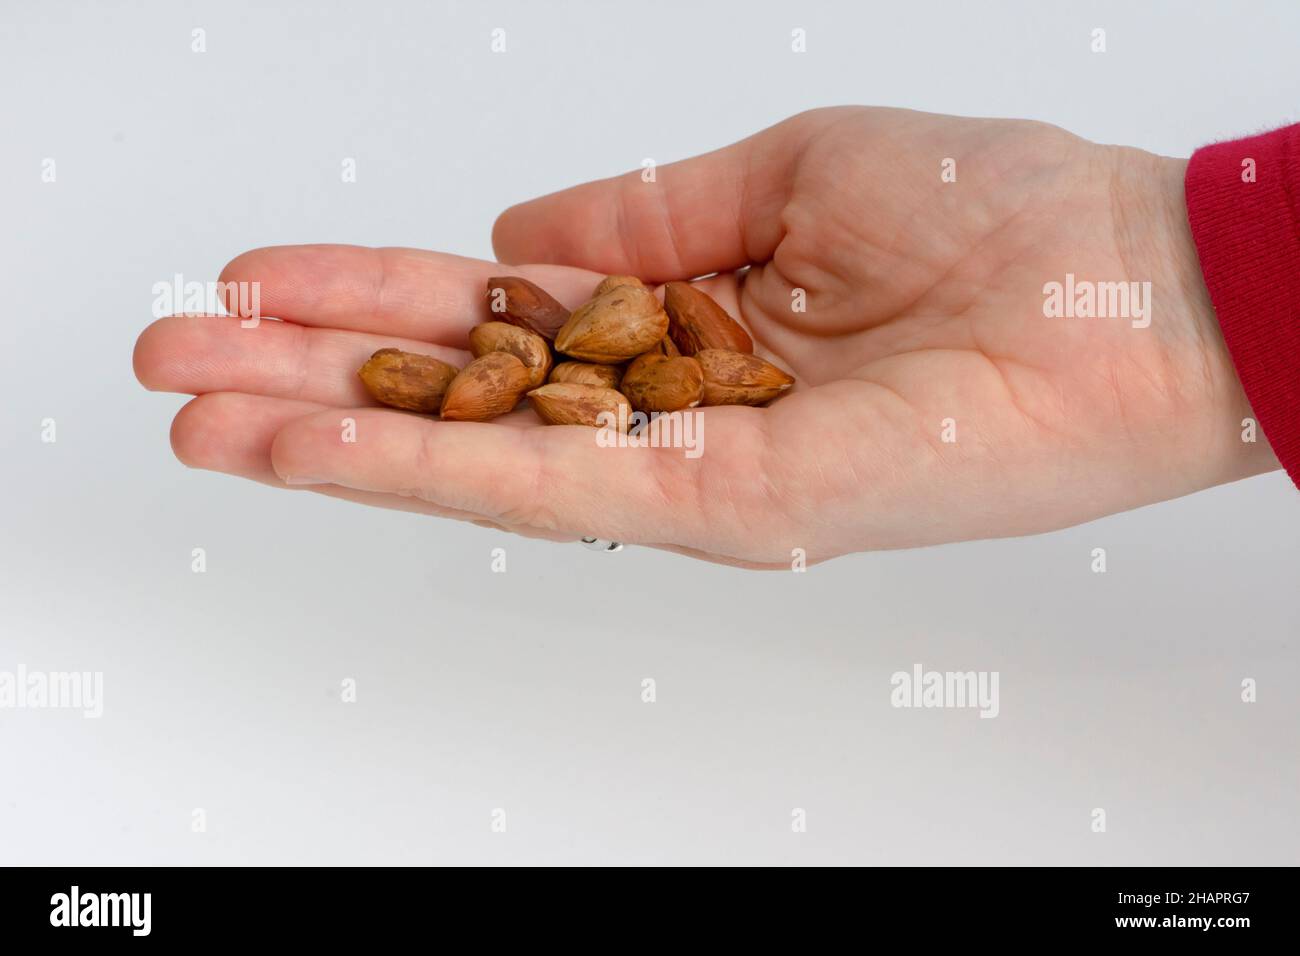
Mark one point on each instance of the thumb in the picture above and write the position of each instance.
(559, 480)
(713, 213)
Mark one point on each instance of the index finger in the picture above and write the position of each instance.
(412, 293)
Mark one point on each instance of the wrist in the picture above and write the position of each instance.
(1219, 438)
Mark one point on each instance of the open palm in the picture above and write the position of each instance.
(936, 402)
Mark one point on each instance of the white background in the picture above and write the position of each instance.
(522, 690)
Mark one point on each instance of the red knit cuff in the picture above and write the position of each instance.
(1243, 203)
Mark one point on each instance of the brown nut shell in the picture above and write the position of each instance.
(656, 383)
(614, 327)
(698, 323)
(665, 347)
(529, 347)
(609, 283)
(407, 380)
(586, 373)
(515, 300)
(569, 403)
(485, 388)
(734, 378)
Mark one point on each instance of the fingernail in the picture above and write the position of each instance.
(303, 480)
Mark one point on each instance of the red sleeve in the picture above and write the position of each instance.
(1245, 219)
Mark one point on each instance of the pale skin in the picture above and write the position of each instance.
(924, 303)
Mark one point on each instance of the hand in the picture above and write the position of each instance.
(924, 322)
